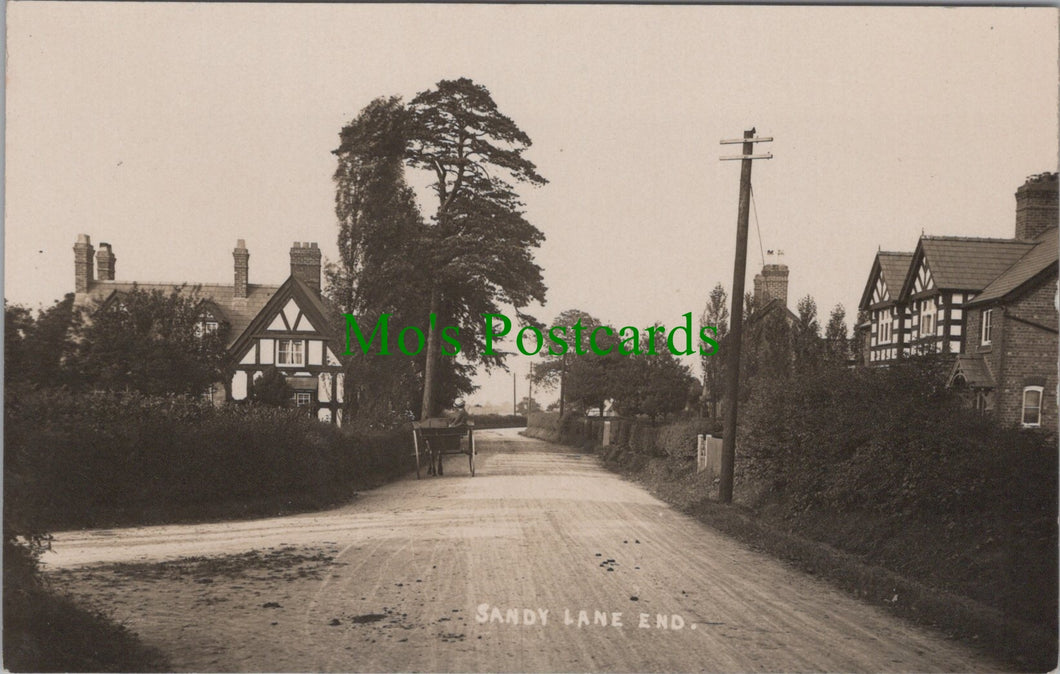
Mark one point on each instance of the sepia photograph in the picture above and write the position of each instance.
(436, 337)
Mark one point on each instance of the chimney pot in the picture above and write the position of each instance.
(83, 263)
(242, 269)
(1036, 206)
(105, 262)
(305, 264)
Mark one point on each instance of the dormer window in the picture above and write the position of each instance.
(206, 325)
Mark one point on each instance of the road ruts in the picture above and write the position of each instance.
(417, 564)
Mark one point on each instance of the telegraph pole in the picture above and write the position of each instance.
(562, 377)
(739, 272)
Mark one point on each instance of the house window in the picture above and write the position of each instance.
(206, 326)
(290, 352)
(927, 320)
(982, 401)
(987, 327)
(885, 328)
(1032, 406)
(303, 399)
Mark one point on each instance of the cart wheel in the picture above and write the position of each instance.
(471, 455)
(416, 448)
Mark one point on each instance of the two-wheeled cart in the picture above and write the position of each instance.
(434, 438)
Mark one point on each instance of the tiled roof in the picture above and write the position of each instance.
(974, 370)
(1043, 255)
(238, 312)
(894, 267)
(962, 263)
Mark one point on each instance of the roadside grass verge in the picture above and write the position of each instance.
(1025, 645)
(984, 573)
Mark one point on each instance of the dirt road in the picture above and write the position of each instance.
(544, 561)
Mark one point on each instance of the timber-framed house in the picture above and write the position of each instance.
(289, 327)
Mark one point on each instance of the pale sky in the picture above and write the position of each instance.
(171, 130)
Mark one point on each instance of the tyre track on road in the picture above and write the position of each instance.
(540, 527)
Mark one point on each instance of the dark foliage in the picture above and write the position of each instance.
(471, 257)
(84, 460)
(37, 348)
(271, 388)
(150, 341)
(46, 632)
(895, 446)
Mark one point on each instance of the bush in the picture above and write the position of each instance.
(548, 421)
(84, 460)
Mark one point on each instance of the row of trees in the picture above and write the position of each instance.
(777, 344)
(652, 385)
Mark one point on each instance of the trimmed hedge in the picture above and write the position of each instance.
(677, 438)
(89, 460)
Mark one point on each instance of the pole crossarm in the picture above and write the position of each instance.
(768, 155)
(737, 141)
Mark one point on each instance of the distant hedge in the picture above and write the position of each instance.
(87, 460)
(676, 438)
(498, 420)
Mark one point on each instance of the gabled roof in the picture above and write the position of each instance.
(320, 314)
(893, 267)
(964, 263)
(1037, 262)
(974, 370)
(771, 306)
(238, 312)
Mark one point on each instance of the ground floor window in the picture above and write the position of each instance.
(1032, 406)
(303, 399)
(982, 401)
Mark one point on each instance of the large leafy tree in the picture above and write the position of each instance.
(152, 342)
(470, 257)
(478, 248)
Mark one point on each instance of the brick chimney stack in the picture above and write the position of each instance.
(242, 258)
(771, 284)
(1036, 206)
(105, 263)
(83, 263)
(305, 264)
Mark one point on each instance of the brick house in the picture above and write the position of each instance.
(289, 326)
(989, 302)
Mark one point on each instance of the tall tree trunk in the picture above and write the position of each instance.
(430, 370)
